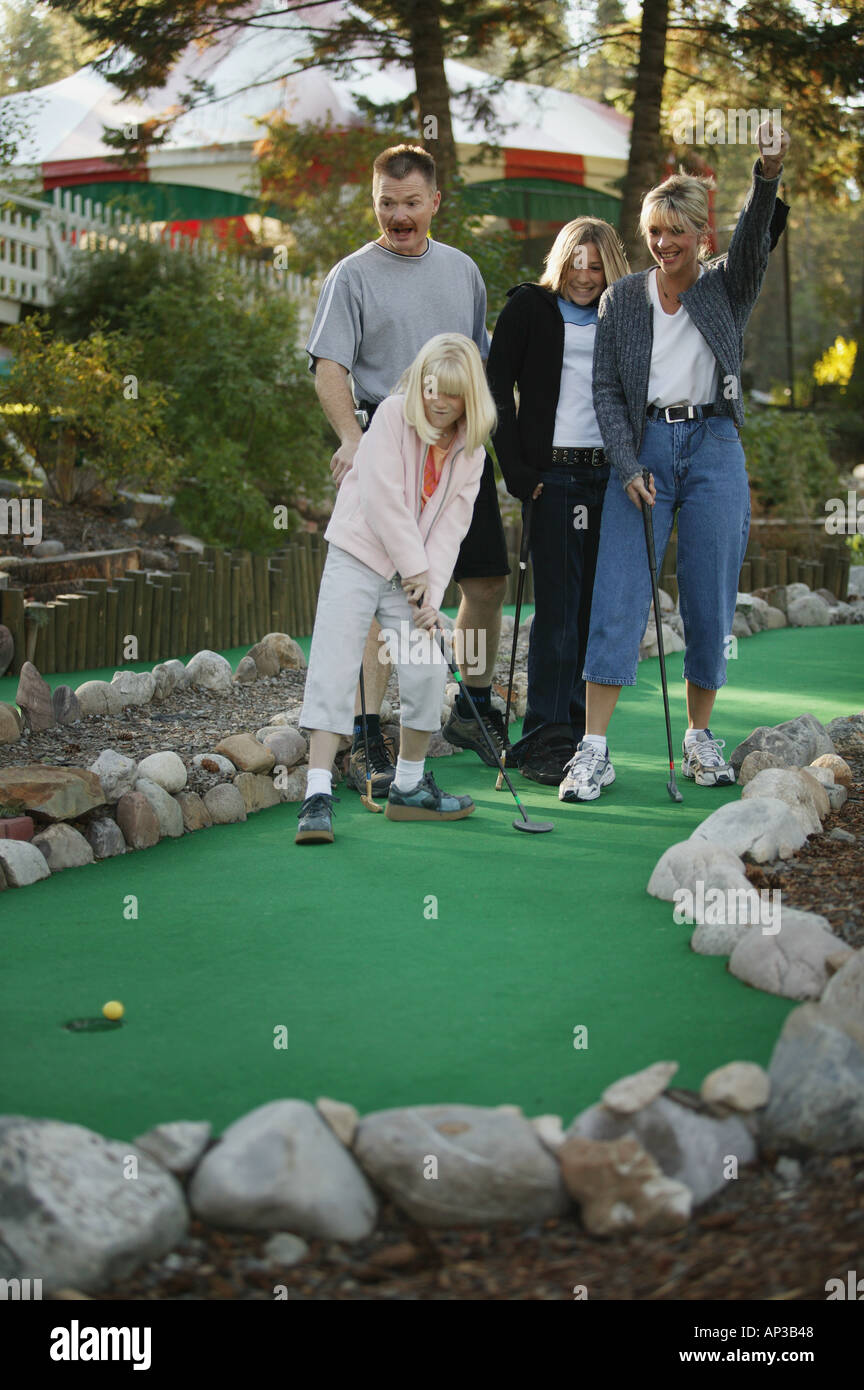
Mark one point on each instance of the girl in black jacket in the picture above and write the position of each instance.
(551, 455)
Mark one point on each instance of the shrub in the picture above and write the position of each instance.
(789, 463)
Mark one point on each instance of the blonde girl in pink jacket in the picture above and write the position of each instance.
(400, 517)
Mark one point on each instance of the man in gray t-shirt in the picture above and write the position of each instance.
(376, 309)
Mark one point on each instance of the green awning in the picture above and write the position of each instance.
(542, 200)
(166, 202)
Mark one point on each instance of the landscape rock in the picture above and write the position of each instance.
(619, 1188)
(691, 1148)
(64, 703)
(808, 611)
(137, 820)
(291, 786)
(194, 812)
(164, 683)
(847, 735)
(671, 641)
(21, 863)
(225, 804)
(843, 998)
(222, 765)
(756, 762)
(210, 671)
(177, 670)
(795, 743)
(58, 793)
(690, 863)
(246, 753)
(774, 618)
(116, 773)
(287, 745)
(247, 671)
(842, 836)
(836, 765)
(70, 1217)
(10, 724)
(740, 626)
(278, 648)
(167, 811)
(166, 769)
(98, 697)
(340, 1116)
(761, 828)
(634, 1092)
(817, 1085)
(177, 1145)
(34, 698)
(258, 792)
(284, 1250)
(718, 938)
(47, 550)
(807, 800)
(282, 1168)
(105, 838)
(792, 962)
(63, 847)
(136, 688)
(490, 1165)
(741, 1086)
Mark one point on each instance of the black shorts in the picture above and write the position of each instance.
(483, 553)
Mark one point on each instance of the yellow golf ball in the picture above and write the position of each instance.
(113, 1009)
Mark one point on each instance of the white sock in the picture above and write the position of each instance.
(319, 780)
(408, 774)
(597, 741)
(694, 736)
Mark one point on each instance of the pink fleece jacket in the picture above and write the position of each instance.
(377, 516)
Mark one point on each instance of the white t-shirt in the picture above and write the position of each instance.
(683, 367)
(575, 422)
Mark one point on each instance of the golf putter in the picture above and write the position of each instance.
(523, 565)
(367, 799)
(531, 827)
(648, 520)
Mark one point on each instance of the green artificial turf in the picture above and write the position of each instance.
(406, 963)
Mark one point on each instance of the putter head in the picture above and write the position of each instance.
(674, 792)
(533, 827)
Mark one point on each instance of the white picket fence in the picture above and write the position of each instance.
(39, 240)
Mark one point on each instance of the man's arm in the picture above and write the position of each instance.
(334, 393)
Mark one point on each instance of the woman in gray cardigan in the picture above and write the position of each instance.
(667, 394)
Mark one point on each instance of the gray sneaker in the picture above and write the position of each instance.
(586, 774)
(704, 763)
(426, 801)
(464, 733)
(316, 820)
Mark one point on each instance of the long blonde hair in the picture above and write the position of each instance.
(578, 233)
(449, 364)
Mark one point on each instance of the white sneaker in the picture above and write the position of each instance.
(704, 763)
(586, 774)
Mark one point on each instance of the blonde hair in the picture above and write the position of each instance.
(449, 364)
(578, 233)
(682, 201)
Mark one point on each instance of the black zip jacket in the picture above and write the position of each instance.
(527, 352)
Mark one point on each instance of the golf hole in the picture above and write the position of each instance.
(92, 1025)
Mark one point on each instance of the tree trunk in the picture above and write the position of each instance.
(855, 389)
(433, 94)
(643, 168)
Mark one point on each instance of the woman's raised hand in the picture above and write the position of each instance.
(773, 142)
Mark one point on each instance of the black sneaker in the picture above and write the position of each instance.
(427, 801)
(316, 820)
(382, 764)
(545, 762)
(463, 733)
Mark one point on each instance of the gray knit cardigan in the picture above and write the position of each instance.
(719, 303)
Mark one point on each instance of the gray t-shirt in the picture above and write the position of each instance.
(377, 309)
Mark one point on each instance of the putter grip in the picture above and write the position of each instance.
(649, 529)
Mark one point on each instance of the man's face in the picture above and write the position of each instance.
(404, 209)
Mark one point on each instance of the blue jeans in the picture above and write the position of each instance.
(563, 556)
(699, 472)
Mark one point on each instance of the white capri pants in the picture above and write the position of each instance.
(350, 596)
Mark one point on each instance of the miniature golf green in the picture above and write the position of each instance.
(406, 963)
